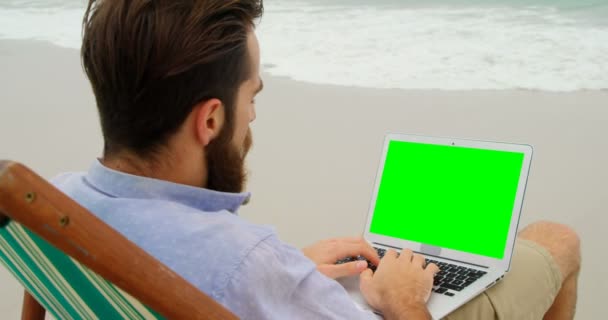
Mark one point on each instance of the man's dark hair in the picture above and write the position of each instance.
(151, 61)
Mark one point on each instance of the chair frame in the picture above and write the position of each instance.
(31, 201)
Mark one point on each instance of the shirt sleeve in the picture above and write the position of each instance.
(276, 281)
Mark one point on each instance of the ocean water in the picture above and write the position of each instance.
(553, 45)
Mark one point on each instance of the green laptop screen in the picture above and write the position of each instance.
(448, 196)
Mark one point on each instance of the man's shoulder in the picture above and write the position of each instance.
(143, 219)
(203, 247)
(64, 180)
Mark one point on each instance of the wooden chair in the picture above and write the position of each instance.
(74, 266)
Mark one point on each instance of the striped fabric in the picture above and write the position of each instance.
(66, 289)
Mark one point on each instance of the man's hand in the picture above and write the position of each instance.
(401, 285)
(326, 253)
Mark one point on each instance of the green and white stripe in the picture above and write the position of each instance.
(64, 287)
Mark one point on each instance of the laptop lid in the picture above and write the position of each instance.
(452, 198)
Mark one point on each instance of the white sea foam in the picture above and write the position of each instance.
(61, 26)
(444, 48)
(397, 47)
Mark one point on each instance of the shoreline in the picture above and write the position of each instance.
(265, 73)
(316, 147)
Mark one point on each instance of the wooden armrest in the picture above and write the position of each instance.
(32, 310)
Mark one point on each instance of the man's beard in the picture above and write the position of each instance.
(226, 170)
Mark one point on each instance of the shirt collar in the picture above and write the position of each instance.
(123, 185)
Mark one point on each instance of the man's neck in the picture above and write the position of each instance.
(173, 169)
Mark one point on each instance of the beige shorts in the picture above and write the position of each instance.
(526, 292)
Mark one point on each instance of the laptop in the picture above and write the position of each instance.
(455, 201)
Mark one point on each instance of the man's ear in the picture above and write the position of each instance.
(209, 120)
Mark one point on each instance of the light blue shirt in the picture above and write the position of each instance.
(197, 233)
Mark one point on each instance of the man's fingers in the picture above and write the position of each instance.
(370, 293)
(335, 271)
(366, 275)
(370, 253)
(390, 254)
(418, 260)
(432, 268)
(360, 248)
(365, 281)
(406, 255)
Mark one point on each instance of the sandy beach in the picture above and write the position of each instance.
(317, 147)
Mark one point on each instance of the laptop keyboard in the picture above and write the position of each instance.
(450, 280)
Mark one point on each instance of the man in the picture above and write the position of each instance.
(175, 83)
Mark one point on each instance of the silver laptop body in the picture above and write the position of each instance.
(420, 181)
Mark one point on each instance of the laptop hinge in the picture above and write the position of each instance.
(430, 255)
